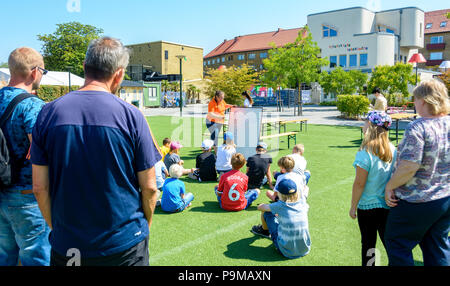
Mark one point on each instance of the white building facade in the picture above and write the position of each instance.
(357, 38)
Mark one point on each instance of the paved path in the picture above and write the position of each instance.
(326, 115)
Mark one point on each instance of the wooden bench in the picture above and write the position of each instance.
(300, 121)
(290, 135)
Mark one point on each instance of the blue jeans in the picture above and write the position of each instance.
(424, 224)
(188, 198)
(250, 195)
(272, 223)
(23, 231)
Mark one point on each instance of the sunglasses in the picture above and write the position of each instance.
(44, 71)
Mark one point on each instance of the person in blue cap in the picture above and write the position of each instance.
(286, 221)
(224, 154)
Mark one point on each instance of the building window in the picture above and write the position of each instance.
(209, 62)
(443, 24)
(343, 61)
(240, 57)
(333, 61)
(436, 56)
(363, 60)
(204, 63)
(213, 61)
(263, 55)
(437, 40)
(152, 92)
(166, 55)
(251, 56)
(353, 61)
(230, 58)
(328, 32)
(223, 59)
(429, 26)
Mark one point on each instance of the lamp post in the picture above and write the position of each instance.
(417, 58)
(69, 68)
(181, 57)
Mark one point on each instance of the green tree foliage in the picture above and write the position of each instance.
(339, 81)
(294, 63)
(392, 79)
(51, 92)
(232, 80)
(67, 46)
(352, 105)
(3, 65)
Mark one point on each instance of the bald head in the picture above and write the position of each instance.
(22, 60)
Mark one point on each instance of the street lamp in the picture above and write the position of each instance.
(417, 58)
(69, 68)
(181, 57)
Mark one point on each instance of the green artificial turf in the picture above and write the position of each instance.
(204, 234)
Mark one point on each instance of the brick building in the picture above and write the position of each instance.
(249, 49)
(437, 35)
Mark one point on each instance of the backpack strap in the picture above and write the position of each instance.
(12, 105)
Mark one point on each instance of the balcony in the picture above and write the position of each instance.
(432, 47)
(430, 63)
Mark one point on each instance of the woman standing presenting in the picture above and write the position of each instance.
(216, 115)
(419, 190)
(373, 164)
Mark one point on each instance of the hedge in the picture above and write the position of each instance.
(51, 92)
(352, 106)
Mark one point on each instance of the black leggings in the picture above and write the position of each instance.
(370, 222)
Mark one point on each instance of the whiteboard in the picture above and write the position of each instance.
(245, 124)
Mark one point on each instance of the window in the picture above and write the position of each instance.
(209, 62)
(240, 57)
(363, 60)
(213, 61)
(230, 58)
(204, 63)
(436, 56)
(223, 59)
(152, 92)
(328, 32)
(263, 55)
(443, 24)
(251, 56)
(166, 55)
(437, 40)
(429, 26)
(333, 61)
(353, 61)
(343, 61)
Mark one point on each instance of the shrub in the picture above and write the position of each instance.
(328, 103)
(352, 106)
(51, 92)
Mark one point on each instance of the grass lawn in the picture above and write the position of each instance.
(204, 234)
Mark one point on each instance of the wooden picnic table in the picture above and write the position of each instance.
(401, 116)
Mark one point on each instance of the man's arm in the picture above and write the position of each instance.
(41, 191)
(147, 184)
(264, 208)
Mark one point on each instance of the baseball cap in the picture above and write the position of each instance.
(207, 143)
(287, 187)
(262, 145)
(228, 136)
(175, 145)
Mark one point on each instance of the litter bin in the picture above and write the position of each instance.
(135, 103)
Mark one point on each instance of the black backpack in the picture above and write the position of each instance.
(5, 157)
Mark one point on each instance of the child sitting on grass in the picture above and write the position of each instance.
(161, 174)
(205, 164)
(287, 165)
(258, 168)
(232, 190)
(174, 198)
(224, 153)
(165, 148)
(286, 221)
(173, 157)
(300, 163)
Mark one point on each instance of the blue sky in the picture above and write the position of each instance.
(201, 23)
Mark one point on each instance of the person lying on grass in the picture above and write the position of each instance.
(286, 221)
(232, 191)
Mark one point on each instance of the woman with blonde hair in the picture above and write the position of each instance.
(373, 165)
(419, 189)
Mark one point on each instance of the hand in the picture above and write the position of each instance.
(352, 212)
(390, 198)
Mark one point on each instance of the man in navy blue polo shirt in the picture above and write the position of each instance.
(93, 176)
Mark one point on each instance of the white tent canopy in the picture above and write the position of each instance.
(51, 78)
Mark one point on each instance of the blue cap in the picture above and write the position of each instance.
(287, 187)
(262, 145)
(228, 136)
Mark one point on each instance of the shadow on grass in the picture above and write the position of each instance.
(209, 207)
(355, 143)
(243, 249)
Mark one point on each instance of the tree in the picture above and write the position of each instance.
(3, 65)
(295, 63)
(232, 80)
(339, 81)
(67, 46)
(392, 79)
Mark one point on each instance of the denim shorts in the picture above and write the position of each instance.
(23, 231)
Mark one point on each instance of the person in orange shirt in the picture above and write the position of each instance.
(216, 115)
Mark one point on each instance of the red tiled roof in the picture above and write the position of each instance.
(436, 18)
(255, 42)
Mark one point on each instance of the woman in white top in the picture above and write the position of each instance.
(248, 102)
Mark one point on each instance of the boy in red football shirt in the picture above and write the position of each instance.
(232, 190)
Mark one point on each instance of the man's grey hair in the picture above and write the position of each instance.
(104, 57)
